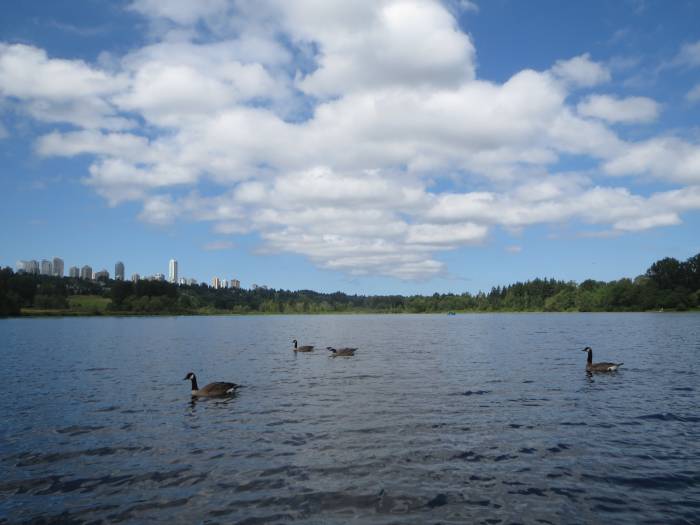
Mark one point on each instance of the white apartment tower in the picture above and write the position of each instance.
(58, 267)
(86, 272)
(119, 271)
(172, 271)
(46, 267)
(74, 272)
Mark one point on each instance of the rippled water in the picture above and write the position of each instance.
(437, 419)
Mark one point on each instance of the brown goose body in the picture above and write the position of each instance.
(341, 352)
(599, 367)
(216, 389)
(305, 348)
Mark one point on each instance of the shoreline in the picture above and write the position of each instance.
(68, 313)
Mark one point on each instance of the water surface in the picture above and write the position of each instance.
(437, 419)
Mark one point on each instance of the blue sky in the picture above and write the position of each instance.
(403, 146)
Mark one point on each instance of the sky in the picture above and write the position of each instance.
(371, 147)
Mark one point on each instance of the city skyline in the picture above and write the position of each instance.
(37, 266)
(486, 143)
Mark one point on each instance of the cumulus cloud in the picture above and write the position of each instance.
(58, 90)
(581, 71)
(624, 110)
(357, 134)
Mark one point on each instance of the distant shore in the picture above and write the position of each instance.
(35, 312)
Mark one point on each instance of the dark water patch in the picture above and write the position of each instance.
(475, 392)
(438, 501)
(76, 430)
(669, 416)
(35, 458)
(469, 455)
(683, 389)
(530, 491)
(671, 481)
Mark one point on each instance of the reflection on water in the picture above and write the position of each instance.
(450, 419)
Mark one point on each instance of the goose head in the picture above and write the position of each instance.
(587, 349)
(189, 376)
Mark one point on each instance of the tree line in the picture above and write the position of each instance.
(668, 284)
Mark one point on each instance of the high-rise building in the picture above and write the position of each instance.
(102, 275)
(22, 266)
(172, 271)
(119, 271)
(135, 277)
(216, 283)
(46, 267)
(74, 272)
(58, 267)
(86, 272)
(159, 277)
(235, 283)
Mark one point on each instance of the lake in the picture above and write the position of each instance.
(437, 419)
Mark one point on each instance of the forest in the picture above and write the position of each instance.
(668, 285)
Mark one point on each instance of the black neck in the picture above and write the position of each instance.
(590, 356)
(295, 343)
(194, 383)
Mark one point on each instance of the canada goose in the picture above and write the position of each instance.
(599, 367)
(341, 352)
(306, 348)
(220, 388)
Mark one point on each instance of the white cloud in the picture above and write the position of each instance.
(581, 71)
(368, 45)
(625, 110)
(57, 90)
(666, 158)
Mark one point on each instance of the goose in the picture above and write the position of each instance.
(306, 348)
(220, 388)
(599, 367)
(341, 352)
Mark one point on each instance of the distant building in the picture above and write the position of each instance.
(46, 267)
(235, 283)
(119, 271)
(58, 267)
(102, 275)
(159, 277)
(192, 282)
(34, 267)
(224, 283)
(216, 283)
(172, 271)
(135, 277)
(74, 272)
(86, 272)
(22, 266)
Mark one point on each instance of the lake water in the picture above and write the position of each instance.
(437, 419)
